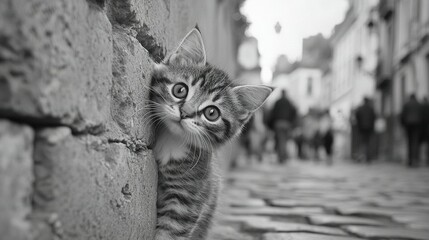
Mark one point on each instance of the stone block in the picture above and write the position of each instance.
(16, 178)
(244, 202)
(275, 211)
(90, 188)
(56, 60)
(276, 226)
(387, 233)
(130, 88)
(219, 232)
(334, 220)
(303, 236)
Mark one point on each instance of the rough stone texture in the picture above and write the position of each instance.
(53, 71)
(130, 88)
(108, 189)
(15, 180)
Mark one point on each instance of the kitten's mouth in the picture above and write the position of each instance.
(180, 123)
(176, 125)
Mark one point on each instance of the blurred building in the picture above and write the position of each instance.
(222, 26)
(403, 66)
(280, 78)
(326, 95)
(303, 79)
(354, 60)
(248, 59)
(316, 51)
(305, 86)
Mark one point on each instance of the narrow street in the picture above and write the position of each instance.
(306, 200)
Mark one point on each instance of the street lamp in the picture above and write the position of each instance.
(278, 28)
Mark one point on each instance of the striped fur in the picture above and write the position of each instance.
(185, 144)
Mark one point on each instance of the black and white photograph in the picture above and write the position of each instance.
(214, 119)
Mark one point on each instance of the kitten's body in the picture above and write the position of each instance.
(195, 108)
(187, 193)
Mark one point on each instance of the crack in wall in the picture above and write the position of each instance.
(135, 145)
(53, 122)
(156, 51)
(121, 13)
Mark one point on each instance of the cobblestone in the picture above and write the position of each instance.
(302, 236)
(309, 201)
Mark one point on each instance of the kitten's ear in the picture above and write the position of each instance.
(252, 96)
(191, 50)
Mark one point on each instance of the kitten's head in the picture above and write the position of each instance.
(197, 101)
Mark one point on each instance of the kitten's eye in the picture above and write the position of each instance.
(212, 113)
(180, 90)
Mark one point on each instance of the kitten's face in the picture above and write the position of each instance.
(196, 103)
(199, 102)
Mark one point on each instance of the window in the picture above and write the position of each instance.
(309, 86)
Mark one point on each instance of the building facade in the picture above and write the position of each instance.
(403, 67)
(354, 60)
(303, 79)
(326, 95)
(305, 88)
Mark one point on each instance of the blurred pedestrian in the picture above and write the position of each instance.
(327, 135)
(283, 116)
(411, 119)
(310, 127)
(365, 120)
(424, 126)
(298, 137)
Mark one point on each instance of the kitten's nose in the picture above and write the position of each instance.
(186, 112)
(183, 114)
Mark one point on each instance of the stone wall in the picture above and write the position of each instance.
(74, 75)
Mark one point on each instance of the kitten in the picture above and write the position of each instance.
(195, 108)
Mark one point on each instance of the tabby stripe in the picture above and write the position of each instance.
(172, 230)
(181, 177)
(185, 186)
(216, 97)
(181, 191)
(196, 80)
(182, 199)
(179, 184)
(163, 80)
(213, 133)
(178, 208)
(227, 127)
(218, 88)
(203, 76)
(182, 218)
(171, 171)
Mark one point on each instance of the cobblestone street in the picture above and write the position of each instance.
(310, 201)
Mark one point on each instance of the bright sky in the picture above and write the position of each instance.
(298, 18)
